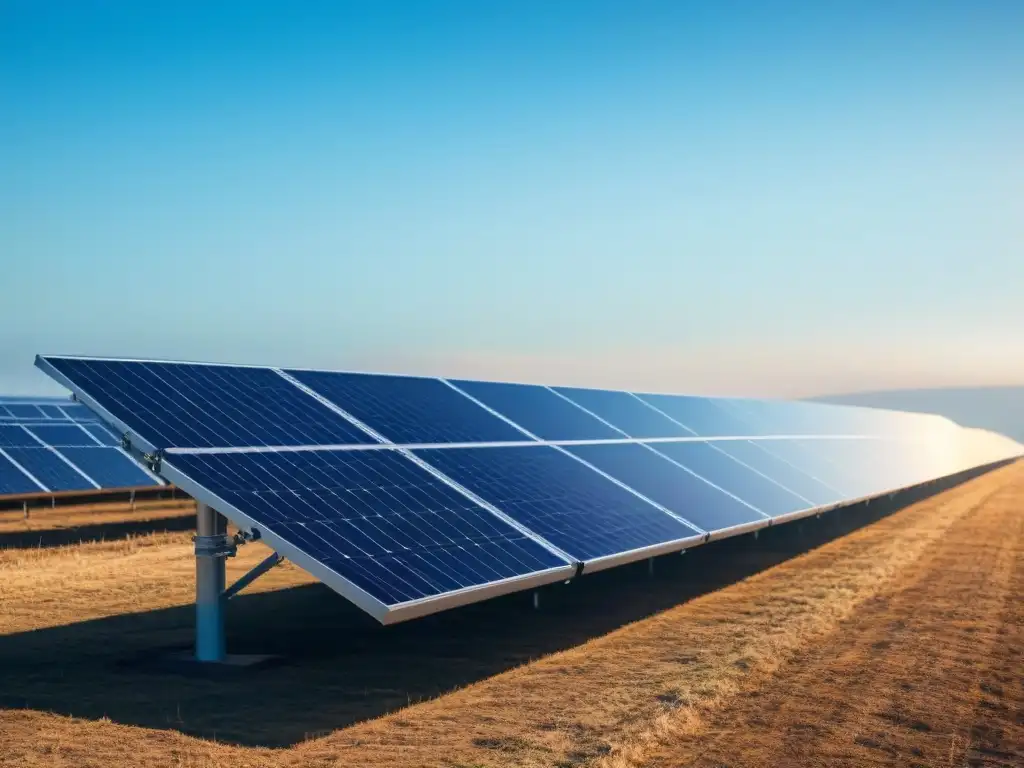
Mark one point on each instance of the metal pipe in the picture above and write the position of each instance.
(268, 563)
(210, 578)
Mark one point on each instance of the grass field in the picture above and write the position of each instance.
(65, 524)
(900, 643)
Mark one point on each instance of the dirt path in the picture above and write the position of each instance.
(928, 672)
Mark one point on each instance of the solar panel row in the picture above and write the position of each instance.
(410, 494)
(50, 448)
(19, 411)
(249, 406)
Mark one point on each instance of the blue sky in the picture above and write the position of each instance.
(750, 198)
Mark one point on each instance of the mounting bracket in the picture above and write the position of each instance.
(274, 559)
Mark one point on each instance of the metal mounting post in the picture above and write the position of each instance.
(650, 566)
(211, 547)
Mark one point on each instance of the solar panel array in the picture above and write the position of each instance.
(410, 495)
(50, 446)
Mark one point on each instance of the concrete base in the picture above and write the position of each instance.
(183, 662)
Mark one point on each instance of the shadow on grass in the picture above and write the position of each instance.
(45, 538)
(341, 668)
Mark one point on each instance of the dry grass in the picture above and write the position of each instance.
(904, 635)
(42, 588)
(55, 518)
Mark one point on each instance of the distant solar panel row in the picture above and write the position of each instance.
(18, 410)
(411, 494)
(49, 448)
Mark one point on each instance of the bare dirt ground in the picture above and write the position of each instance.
(900, 643)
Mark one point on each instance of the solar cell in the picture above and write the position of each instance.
(410, 409)
(626, 412)
(51, 412)
(374, 518)
(61, 434)
(701, 415)
(13, 480)
(108, 467)
(50, 469)
(196, 405)
(538, 410)
(711, 463)
(659, 479)
(575, 508)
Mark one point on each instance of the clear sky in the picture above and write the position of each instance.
(756, 198)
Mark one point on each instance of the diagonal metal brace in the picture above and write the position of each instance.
(268, 563)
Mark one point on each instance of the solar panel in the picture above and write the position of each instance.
(50, 469)
(15, 435)
(51, 411)
(22, 411)
(101, 434)
(61, 434)
(409, 495)
(704, 504)
(185, 404)
(108, 467)
(577, 509)
(702, 416)
(626, 412)
(539, 410)
(13, 480)
(77, 412)
(762, 457)
(410, 409)
(805, 458)
(712, 463)
(377, 526)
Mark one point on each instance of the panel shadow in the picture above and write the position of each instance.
(45, 538)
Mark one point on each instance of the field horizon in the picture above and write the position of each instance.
(999, 408)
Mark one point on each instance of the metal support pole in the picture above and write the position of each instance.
(211, 549)
(650, 566)
(24, 509)
(131, 500)
(536, 600)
